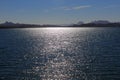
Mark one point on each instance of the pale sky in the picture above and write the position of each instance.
(58, 11)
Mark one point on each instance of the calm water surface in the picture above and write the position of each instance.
(60, 54)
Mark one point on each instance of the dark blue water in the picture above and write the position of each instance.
(60, 54)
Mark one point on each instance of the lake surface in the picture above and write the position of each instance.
(60, 54)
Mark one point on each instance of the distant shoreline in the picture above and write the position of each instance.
(8, 25)
(60, 27)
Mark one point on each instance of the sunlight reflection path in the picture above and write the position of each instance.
(56, 59)
(57, 66)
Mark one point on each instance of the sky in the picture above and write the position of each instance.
(58, 11)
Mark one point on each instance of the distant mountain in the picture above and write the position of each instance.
(80, 23)
(15, 25)
(8, 24)
(18, 25)
(101, 22)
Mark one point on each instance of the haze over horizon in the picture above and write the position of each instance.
(58, 11)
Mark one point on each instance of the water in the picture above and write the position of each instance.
(60, 54)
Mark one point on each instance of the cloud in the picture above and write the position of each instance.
(75, 7)
(70, 8)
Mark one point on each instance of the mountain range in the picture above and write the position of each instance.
(99, 23)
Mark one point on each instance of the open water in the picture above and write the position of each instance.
(60, 54)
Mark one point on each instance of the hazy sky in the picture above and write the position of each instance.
(58, 11)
